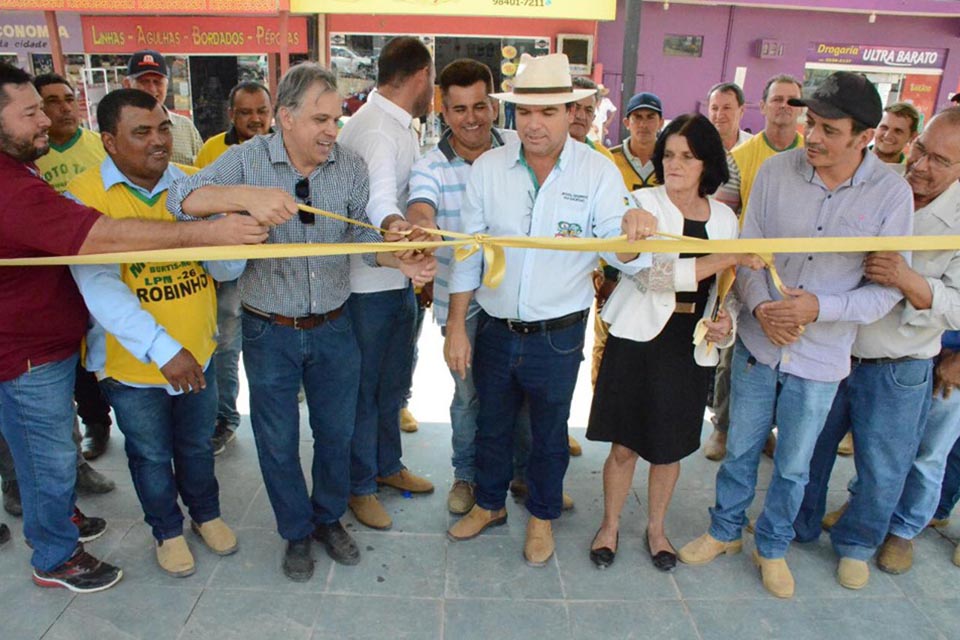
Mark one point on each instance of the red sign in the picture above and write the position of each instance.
(921, 91)
(145, 6)
(190, 34)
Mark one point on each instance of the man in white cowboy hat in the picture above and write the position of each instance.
(529, 342)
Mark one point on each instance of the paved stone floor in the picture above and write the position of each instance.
(413, 583)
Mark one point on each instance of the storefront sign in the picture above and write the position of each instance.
(921, 91)
(145, 6)
(556, 9)
(27, 31)
(876, 56)
(189, 34)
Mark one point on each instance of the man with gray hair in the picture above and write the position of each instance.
(296, 329)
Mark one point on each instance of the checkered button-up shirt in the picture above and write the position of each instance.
(293, 286)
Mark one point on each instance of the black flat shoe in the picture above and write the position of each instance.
(604, 556)
(665, 561)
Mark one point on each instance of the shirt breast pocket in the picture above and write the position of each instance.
(856, 225)
(572, 221)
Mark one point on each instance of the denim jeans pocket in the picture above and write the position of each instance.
(340, 324)
(254, 328)
(910, 374)
(567, 341)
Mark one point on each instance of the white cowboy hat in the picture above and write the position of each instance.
(543, 80)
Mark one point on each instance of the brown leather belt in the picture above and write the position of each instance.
(685, 307)
(304, 323)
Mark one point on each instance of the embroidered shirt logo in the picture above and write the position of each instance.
(568, 230)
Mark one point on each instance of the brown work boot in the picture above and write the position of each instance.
(370, 512)
(896, 555)
(539, 545)
(218, 537)
(956, 556)
(404, 480)
(706, 548)
(175, 558)
(775, 575)
(473, 524)
(770, 446)
(574, 446)
(853, 574)
(833, 517)
(461, 498)
(408, 424)
(716, 447)
(845, 448)
(939, 523)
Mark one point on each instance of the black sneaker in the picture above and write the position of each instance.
(297, 561)
(90, 528)
(82, 573)
(222, 436)
(11, 498)
(4, 534)
(340, 546)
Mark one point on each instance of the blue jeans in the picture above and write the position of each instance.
(885, 406)
(36, 417)
(326, 361)
(421, 312)
(227, 355)
(761, 396)
(463, 422)
(928, 479)
(384, 325)
(167, 440)
(508, 367)
(950, 491)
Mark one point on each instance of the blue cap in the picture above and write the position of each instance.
(644, 100)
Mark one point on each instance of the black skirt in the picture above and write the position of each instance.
(650, 396)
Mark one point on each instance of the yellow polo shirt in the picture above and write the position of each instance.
(60, 165)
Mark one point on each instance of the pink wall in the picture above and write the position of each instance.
(682, 82)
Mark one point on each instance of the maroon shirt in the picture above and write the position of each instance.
(42, 315)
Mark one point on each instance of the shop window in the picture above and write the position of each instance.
(683, 45)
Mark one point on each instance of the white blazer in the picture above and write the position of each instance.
(640, 315)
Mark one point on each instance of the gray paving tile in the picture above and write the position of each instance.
(584, 520)
(421, 513)
(631, 577)
(127, 611)
(252, 614)
(493, 567)
(504, 620)
(646, 620)
(944, 613)
(766, 618)
(27, 611)
(933, 574)
(373, 618)
(257, 565)
(394, 565)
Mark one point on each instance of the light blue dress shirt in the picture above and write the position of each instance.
(789, 200)
(116, 309)
(584, 196)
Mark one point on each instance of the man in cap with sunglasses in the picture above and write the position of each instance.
(794, 342)
(296, 328)
(529, 341)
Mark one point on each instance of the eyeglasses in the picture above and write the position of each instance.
(302, 191)
(920, 152)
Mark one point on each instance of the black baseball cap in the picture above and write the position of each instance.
(146, 61)
(845, 95)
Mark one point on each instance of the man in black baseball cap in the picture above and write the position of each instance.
(845, 95)
(147, 70)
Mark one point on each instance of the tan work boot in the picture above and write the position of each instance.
(539, 545)
(896, 555)
(853, 574)
(405, 480)
(567, 502)
(473, 524)
(218, 537)
(845, 448)
(706, 548)
(956, 556)
(775, 575)
(370, 512)
(833, 517)
(175, 558)
(574, 446)
(408, 424)
(939, 523)
(461, 498)
(716, 447)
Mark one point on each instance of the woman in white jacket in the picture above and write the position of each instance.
(652, 387)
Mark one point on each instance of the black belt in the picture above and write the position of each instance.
(856, 360)
(303, 322)
(544, 325)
